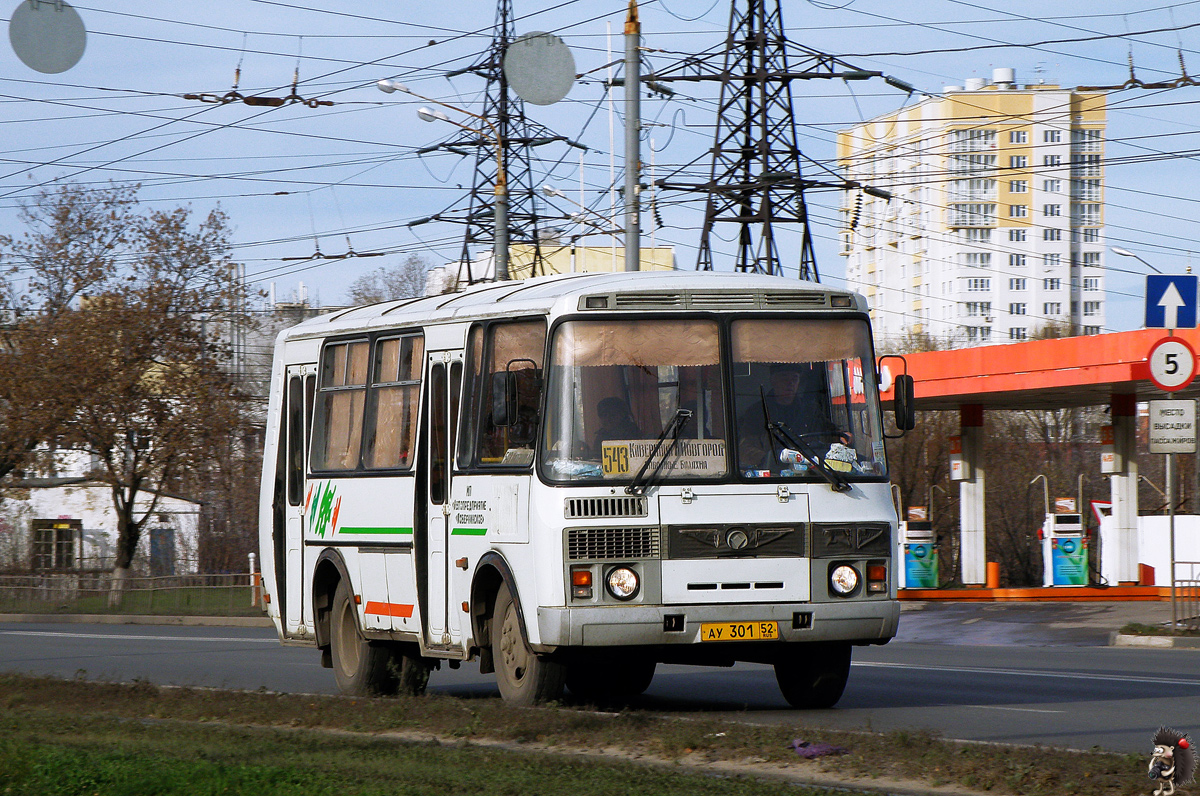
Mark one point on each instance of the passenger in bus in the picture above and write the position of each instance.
(796, 400)
(616, 422)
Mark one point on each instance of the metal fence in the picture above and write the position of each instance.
(1187, 596)
(94, 593)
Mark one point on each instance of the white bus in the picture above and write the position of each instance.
(571, 479)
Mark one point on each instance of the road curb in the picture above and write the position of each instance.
(117, 619)
(1158, 642)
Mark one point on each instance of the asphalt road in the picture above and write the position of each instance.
(964, 674)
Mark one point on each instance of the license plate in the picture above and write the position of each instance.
(739, 631)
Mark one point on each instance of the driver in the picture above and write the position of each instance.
(803, 412)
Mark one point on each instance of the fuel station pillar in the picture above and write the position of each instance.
(973, 557)
(1118, 543)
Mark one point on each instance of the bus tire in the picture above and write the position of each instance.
(359, 666)
(606, 679)
(814, 676)
(524, 677)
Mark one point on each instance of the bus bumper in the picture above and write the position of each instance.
(861, 621)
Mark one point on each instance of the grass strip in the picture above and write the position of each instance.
(1139, 629)
(48, 754)
(35, 705)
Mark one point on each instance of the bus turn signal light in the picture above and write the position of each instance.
(876, 578)
(581, 583)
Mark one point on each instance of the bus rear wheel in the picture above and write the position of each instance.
(360, 667)
(814, 676)
(607, 679)
(524, 677)
(408, 670)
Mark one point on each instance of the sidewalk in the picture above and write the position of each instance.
(137, 619)
(1085, 624)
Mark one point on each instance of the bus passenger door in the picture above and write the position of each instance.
(441, 417)
(301, 384)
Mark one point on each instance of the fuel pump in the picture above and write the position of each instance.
(1064, 551)
(919, 551)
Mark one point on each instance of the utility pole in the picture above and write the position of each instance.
(633, 132)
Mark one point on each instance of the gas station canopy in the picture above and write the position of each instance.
(1043, 374)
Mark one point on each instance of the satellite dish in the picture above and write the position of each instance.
(47, 35)
(540, 68)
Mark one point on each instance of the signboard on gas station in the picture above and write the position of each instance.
(1172, 426)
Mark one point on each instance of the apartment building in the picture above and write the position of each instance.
(994, 229)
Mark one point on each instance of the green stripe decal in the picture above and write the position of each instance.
(469, 532)
(375, 531)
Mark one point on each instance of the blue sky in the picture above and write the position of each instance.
(348, 174)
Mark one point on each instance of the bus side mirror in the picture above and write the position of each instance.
(903, 403)
(504, 398)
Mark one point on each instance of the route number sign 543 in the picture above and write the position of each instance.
(1172, 364)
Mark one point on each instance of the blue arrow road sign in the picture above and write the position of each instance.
(1170, 301)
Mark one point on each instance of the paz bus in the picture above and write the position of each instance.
(572, 479)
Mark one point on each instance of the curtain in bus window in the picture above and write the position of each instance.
(648, 342)
(395, 394)
(342, 399)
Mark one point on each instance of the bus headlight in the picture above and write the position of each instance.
(843, 580)
(622, 583)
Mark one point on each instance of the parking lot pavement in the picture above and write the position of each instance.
(1083, 624)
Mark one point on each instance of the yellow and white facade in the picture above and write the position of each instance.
(995, 226)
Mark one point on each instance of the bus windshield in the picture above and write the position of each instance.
(802, 398)
(805, 397)
(616, 388)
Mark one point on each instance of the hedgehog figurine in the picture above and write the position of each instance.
(1173, 762)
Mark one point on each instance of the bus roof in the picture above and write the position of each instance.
(641, 290)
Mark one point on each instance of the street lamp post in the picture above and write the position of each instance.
(1127, 253)
(500, 204)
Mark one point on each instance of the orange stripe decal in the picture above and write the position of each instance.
(389, 609)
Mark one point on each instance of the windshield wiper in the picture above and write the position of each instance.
(641, 482)
(779, 430)
(785, 435)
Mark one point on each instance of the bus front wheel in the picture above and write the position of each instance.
(524, 677)
(814, 676)
(359, 667)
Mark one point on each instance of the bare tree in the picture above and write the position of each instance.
(404, 280)
(130, 372)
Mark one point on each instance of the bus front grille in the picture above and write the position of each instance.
(591, 508)
(601, 544)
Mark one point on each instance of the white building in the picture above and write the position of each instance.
(995, 225)
(62, 525)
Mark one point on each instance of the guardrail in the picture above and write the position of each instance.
(92, 593)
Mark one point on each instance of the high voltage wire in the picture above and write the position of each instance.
(561, 162)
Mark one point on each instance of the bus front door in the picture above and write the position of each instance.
(301, 383)
(444, 380)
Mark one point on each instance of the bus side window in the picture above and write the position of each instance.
(516, 348)
(341, 400)
(295, 441)
(395, 396)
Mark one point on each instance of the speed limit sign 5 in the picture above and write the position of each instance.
(1172, 364)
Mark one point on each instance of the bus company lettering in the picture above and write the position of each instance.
(469, 506)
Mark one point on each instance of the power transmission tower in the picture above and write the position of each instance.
(755, 177)
(517, 134)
